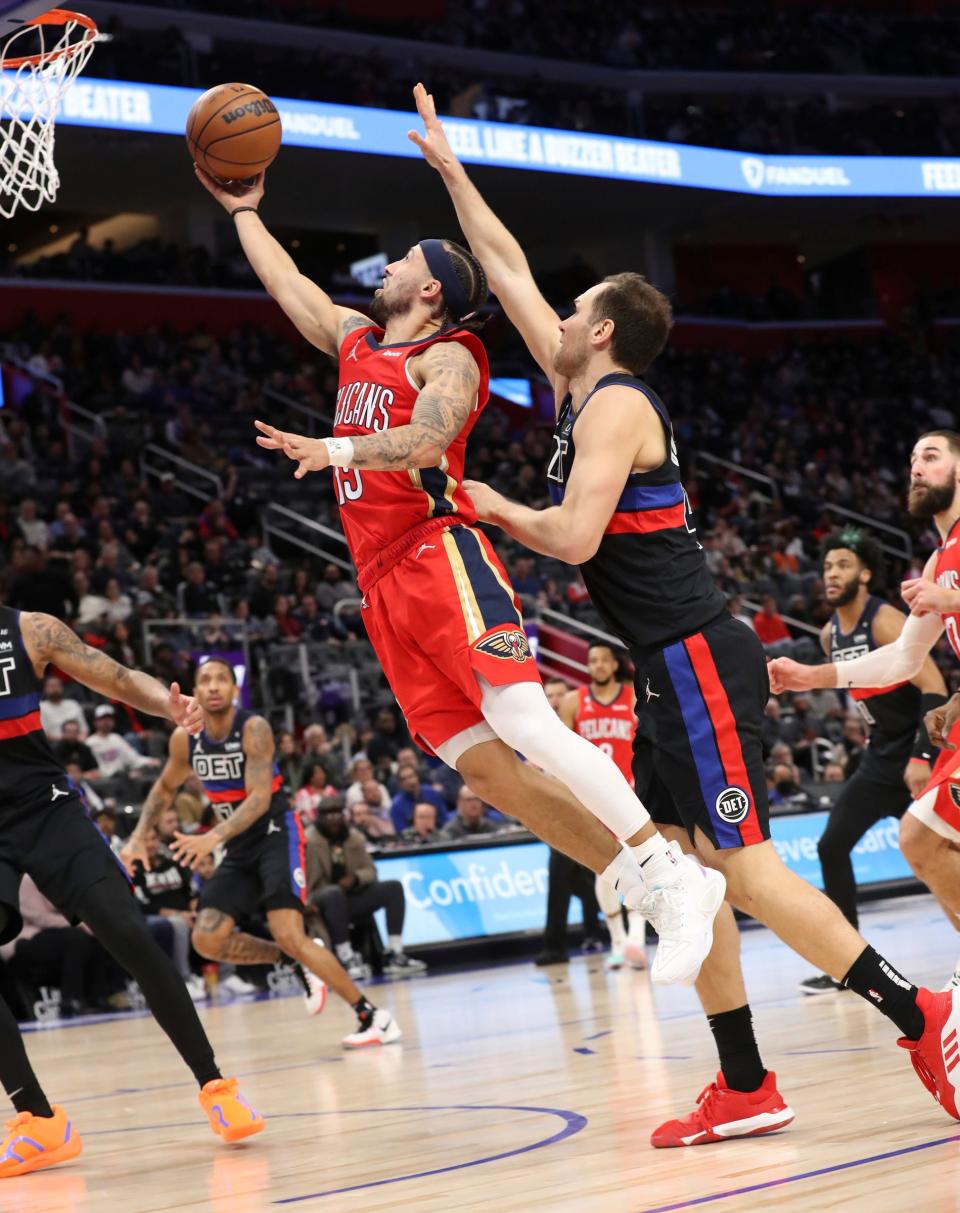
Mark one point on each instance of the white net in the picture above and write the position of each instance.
(37, 65)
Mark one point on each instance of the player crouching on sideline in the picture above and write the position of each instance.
(620, 511)
(263, 864)
(437, 603)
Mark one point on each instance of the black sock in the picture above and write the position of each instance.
(19, 1080)
(737, 1047)
(879, 983)
(365, 1011)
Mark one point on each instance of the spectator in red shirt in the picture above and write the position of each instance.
(768, 623)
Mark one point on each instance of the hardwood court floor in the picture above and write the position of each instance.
(514, 1089)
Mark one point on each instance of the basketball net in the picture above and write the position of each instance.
(37, 66)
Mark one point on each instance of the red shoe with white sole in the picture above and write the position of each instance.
(721, 1113)
(936, 1054)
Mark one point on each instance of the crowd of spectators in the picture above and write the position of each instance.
(830, 40)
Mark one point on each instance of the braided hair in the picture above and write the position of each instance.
(473, 279)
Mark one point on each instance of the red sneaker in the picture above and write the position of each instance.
(721, 1113)
(936, 1053)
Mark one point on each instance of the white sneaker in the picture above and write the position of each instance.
(682, 914)
(399, 964)
(235, 985)
(357, 968)
(383, 1030)
(954, 982)
(196, 988)
(635, 954)
(314, 987)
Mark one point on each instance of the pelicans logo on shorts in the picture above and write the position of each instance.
(508, 643)
(955, 793)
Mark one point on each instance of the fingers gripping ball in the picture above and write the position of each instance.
(234, 131)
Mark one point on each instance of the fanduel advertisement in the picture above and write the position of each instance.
(499, 890)
(120, 105)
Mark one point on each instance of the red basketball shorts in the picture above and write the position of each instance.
(442, 615)
(938, 805)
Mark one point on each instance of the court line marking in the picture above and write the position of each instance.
(792, 1179)
(573, 1123)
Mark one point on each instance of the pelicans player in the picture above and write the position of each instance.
(603, 712)
(437, 605)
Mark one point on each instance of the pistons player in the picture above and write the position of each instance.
(263, 865)
(896, 764)
(621, 513)
(930, 830)
(603, 713)
(437, 605)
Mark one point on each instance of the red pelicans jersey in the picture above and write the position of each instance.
(377, 392)
(946, 573)
(609, 726)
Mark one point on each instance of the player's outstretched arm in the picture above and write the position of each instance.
(323, 322)
(450, 378)
(610, 436)
(50, 642)
(160, 797)
(502, 258)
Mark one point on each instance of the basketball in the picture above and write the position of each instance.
(234, 131)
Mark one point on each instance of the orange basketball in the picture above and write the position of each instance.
(233, 131)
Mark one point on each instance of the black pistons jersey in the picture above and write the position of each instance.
(29, 772)
(892, 713)
(648, 578)
(221, 767)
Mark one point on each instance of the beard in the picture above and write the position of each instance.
(384, 309)
(570, 358)
(926, 500)
(847, 592)
(603, 682)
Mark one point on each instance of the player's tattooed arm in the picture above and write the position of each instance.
(258, 748)
(450, 379)
(50, 641)
(160, 797)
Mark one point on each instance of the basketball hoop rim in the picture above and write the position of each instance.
(56, 16)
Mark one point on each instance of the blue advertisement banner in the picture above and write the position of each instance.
(122, 105)
(498, 890)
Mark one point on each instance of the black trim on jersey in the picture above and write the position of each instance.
(610, 702)
(374, 344)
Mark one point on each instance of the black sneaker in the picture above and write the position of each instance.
(399, 964)
(552, 958)
(823, 984)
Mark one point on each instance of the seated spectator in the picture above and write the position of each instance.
(367, 817)
(115, 755)
(290, 761)
(360, 772)
(342, 885)
(389, 735)
(87, 792)
(833, 773)
(333, 588)
(411, 793)
(49, 951)
(470, 821)
(71, 749)
(164, 891)
(196, 596)
(105, 819)
(318, 748)
(56, 709)
(190, 802)
(423, 832)
(314, 788)
(768, 623)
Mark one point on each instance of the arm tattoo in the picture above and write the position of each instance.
(351, 324)
(258, 749)
(158, 798)
(443, 407)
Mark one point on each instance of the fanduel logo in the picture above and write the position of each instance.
(757, 173)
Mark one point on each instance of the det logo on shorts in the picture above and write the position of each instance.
(299, 879)
(510, 644)
(733, 804)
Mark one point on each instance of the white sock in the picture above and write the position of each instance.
(658, 863)
(623, 873)
(395, 944)
(344, 952)
(520, 715)
(609, 901)
(636, 927)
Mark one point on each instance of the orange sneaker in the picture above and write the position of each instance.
(231, 1117)
(33, 1142)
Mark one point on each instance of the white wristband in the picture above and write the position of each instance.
(341, 451)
